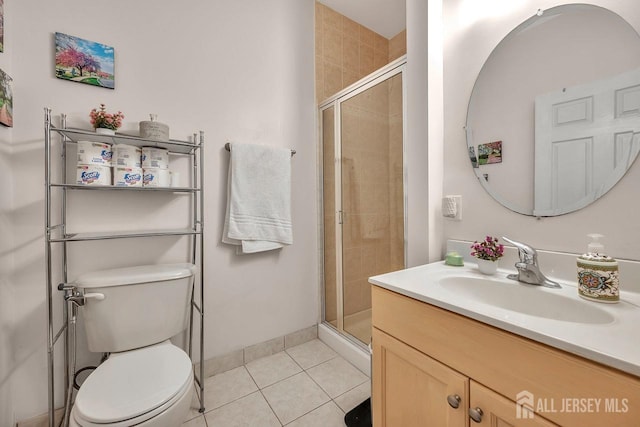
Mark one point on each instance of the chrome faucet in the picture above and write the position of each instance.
(528, 269)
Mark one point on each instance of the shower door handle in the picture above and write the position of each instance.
(340, 217)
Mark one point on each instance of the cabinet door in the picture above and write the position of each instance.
(498, 411)
(410, 389)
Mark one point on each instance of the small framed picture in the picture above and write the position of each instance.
(1, 25)
(490, 152)
(83, 61)
(6, 100)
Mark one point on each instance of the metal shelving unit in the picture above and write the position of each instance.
(56, 234)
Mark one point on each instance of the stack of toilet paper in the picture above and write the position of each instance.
(127, 166)
(94, 163)
(155, 167)
(124, 166)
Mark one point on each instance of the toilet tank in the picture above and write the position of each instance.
(142, 305)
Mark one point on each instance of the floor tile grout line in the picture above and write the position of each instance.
(265, 397)
(271, 407)
(319, 363)
(238, 398)
(331, 397)
(351, 389)
(282, 379)
(310, 411)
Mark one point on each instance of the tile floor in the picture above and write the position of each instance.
(304, 386)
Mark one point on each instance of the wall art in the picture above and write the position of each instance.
(6, 100)
(84, 61)
(1, 25)
(490, 152)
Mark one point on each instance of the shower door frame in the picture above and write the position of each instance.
(387, 72)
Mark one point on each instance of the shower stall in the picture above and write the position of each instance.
(363, 195)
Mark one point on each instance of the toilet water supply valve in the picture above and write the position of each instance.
(72, 294)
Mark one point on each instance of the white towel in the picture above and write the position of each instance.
(258, 216)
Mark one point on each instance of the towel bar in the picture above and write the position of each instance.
(227, 147)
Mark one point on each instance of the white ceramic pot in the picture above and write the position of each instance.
(105, 131)
(486, 266)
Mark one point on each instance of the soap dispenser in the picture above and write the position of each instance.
(598, 274)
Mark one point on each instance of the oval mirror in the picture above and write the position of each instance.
(554, 117)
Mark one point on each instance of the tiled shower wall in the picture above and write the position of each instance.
(373, 236)
(347, 51)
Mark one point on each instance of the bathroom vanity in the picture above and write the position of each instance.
(452, 347)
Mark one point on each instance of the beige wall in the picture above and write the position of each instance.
(258, 88)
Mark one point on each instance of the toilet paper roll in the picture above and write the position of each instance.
(155, 177)
(93, 175)
(94, 153)
(127, 177)
(127, 156)
(153, 157)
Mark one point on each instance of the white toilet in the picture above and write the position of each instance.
(131, 313)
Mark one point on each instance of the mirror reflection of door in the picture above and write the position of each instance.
(586, 137)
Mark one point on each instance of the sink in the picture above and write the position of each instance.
(555, 317)
(526, 299)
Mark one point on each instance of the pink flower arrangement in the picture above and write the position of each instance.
(489, 249)
(101, 119)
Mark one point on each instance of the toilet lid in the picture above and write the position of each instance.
(132, 383)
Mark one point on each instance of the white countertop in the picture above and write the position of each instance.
(612, 342)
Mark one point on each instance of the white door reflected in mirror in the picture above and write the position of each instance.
(586, 137)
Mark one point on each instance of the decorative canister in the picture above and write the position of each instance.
(127, 177)
(598, 278)
(127, 156)
(154, 130)
(93, 175)
(94, 153)
(154, 177)
(153, 157)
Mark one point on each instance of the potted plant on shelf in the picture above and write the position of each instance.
(105, 123)
(487, 253)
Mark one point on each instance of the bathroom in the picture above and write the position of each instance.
(244, 71)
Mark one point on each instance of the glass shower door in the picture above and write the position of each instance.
(363, 199)
(372, 196)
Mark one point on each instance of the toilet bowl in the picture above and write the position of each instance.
(131, 313)
(151, 387)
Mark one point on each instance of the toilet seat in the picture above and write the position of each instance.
(134, 386)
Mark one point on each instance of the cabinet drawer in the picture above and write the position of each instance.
(566, 389)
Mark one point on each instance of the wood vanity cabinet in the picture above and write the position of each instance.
(427, 361)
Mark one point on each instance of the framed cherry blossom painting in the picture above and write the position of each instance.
(84, 61)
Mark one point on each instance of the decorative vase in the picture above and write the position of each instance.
(105, 131)
(487, 267)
